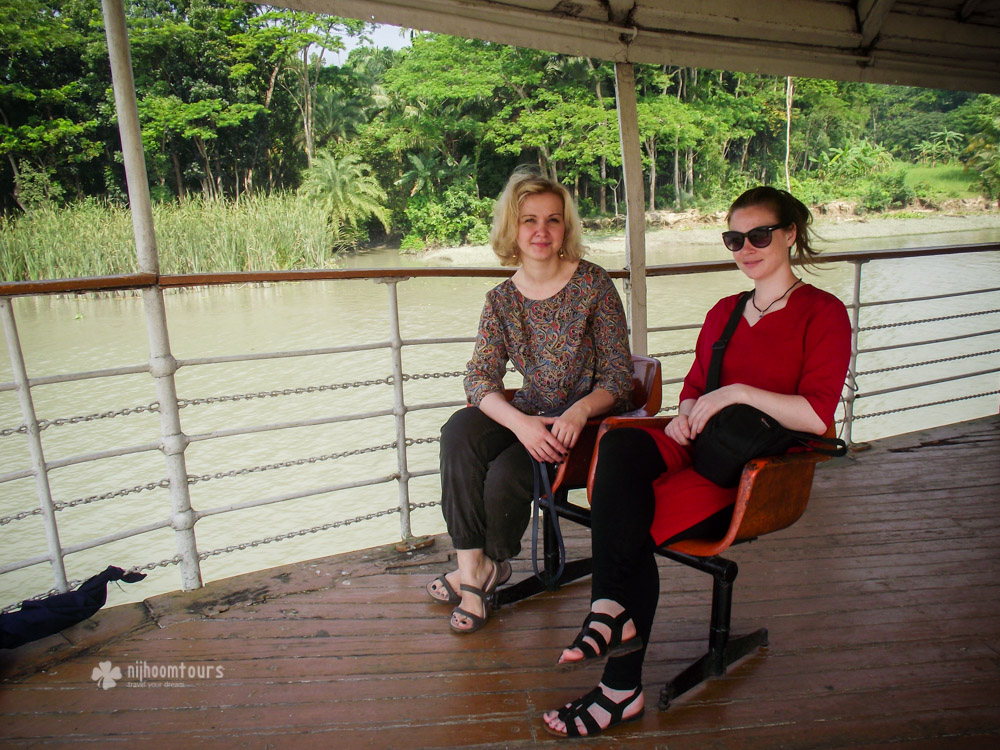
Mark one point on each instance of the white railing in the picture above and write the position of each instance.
(173, 442)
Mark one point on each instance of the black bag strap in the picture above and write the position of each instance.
(834, 446)
(545, 498)
(719, 347)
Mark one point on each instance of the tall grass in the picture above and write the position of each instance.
(951, 180)
(93, 238)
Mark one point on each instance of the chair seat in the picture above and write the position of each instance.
(772, 494)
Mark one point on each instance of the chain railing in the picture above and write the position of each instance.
(182, 521)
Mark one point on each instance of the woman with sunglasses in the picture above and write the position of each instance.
(788, 357)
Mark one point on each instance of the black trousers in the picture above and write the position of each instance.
(486, 484)
(622, 509)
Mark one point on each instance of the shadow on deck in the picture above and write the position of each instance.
(883, 605)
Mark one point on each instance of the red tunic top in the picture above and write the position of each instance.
(803, 349)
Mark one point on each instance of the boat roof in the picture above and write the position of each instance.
(941, 44)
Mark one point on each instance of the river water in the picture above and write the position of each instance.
(88, 332)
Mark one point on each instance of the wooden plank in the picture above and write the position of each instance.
(883, 613)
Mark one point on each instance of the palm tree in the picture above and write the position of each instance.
(950, 143)
(346, 189)
(336, 117)
(426, 174)
(926, 152)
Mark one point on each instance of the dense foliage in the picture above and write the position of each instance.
(240, 101)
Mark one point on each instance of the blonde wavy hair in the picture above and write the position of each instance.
(503, 234)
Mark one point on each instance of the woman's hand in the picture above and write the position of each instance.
(706, 406)
(679, 430)
(557, 435)
(567, 427)
(533, 433)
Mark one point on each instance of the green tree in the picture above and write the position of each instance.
(347, 192)
(47, 121)
(984, 146)
(297, 43)
(860, 159)
(208, 114)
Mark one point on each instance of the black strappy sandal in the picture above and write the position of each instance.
(453, 597)
(580, 709)
(613, 647)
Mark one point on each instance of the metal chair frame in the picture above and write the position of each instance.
(647, 395)
(772, 494)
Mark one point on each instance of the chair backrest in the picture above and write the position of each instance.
(647, 394)
(647, 386)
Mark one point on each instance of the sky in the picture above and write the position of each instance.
(383, 36)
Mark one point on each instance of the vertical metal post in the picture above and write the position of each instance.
(161, 362)
(38, 466)
(399, 407)
(855, 326)
(173, 441)
(635, 206)
(131, 135)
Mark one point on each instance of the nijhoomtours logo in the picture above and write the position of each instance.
(106, 675)
(145, 675)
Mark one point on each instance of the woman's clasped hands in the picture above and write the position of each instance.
(549, 439)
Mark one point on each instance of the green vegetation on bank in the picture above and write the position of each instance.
(93, 238)
(280, 231)
(952, 180)
(265, 149)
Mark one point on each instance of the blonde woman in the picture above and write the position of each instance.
(560, 322)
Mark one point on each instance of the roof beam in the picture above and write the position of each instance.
(871, 16)
(620, 11)
(807, 38)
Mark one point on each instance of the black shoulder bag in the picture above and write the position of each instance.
(740, 432)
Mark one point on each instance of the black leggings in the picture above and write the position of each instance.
(622, 509)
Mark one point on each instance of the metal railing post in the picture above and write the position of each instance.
(38, 466)
(173, 441)
(853, 369)
(162, 364)
(399, 407)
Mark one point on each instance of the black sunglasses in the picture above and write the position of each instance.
(758, 236)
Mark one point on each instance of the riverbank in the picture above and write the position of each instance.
(959, 224)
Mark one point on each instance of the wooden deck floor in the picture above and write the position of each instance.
(883, 605)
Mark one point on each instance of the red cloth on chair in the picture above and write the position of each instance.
(803, 349)
(683, 496)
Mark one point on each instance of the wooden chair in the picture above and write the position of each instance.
(772, 495)
(573, 473)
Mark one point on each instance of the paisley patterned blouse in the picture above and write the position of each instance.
(564, 346)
